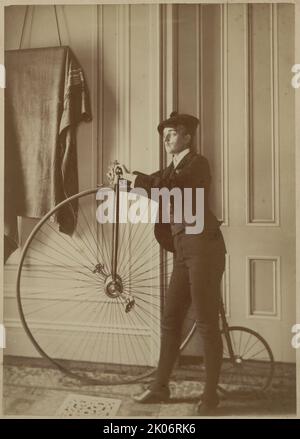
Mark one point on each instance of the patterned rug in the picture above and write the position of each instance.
(88, 406)
(32, 389)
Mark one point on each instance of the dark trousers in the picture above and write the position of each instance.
(197, 273)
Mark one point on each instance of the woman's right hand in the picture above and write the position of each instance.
(122, 168)
(115, 170)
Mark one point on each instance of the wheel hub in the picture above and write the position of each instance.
(238, 360)
(113, 287)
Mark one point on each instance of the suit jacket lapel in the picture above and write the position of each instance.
(185, 160)
(168, 170)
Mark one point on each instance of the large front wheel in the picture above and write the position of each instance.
(94, 322)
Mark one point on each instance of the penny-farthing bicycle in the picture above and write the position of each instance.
(91, 302)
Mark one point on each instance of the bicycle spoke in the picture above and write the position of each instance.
(246, 345)
(257, 353)
(62, 263)
(251, 347)
(73, 244)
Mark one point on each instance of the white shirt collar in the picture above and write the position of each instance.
(178, 157)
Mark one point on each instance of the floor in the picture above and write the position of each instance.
(32, 389)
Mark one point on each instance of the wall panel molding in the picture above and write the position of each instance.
(123, 63)
(168, 95)
(100, 172)
(79, 327)
(226, 286)
(272, 220)
(268, 294)
(169, 58)
(199, 83)
(224, 118)
(155, 70)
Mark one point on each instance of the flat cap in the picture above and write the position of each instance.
(190, 122)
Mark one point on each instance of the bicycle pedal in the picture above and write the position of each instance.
(129, 306)
(99, 268)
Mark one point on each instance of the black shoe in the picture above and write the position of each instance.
(207, 408)
(150, 396)
(204, 409)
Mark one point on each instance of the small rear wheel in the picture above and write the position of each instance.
(250, 363)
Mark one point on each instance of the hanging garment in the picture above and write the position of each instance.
(46, 97)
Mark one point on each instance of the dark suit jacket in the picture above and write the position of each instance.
(192, 172)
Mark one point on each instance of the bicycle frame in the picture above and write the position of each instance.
(225, 329)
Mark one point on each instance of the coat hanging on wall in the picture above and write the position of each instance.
(46, 97)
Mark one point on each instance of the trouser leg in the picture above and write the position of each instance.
(205, 274)
(176, 304)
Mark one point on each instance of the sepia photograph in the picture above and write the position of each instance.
(150, 213)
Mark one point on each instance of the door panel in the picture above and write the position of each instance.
(247, 133)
